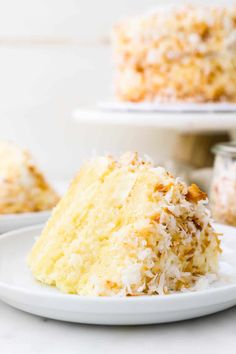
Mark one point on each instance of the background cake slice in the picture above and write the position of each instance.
(126, 228)
(23, 188)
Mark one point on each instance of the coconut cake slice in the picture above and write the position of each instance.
(23, 187)
(126, 228)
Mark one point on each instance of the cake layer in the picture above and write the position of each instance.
(177, 53)
(126, 228)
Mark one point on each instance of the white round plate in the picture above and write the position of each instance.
(10, 222)
(179, 120)
(20, 290)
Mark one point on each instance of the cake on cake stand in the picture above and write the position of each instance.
(183, 54)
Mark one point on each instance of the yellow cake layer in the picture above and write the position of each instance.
(126, 228)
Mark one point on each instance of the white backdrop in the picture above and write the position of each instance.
(54, 57)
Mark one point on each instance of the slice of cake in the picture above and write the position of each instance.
(126, 228)
(22, 186)
(177, 53)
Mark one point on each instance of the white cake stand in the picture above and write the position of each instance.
(184, 118)
(189, 129)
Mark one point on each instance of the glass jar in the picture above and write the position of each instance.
(223, 187)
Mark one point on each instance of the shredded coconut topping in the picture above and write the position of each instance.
(177, 53)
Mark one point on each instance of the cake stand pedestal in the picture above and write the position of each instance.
(194, 149)
(189, 134)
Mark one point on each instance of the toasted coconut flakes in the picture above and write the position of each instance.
(195, 194)
(180, 54)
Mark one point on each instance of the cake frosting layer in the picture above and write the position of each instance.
(177, 53)
(126, 228)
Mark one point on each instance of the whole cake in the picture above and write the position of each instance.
(177, 53)
(22, 186)
(126, 228)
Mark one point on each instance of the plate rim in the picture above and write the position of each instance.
(25, 215)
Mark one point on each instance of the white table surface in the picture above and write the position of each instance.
(22, 333)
